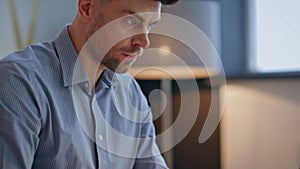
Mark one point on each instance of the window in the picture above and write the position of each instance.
(273, 36)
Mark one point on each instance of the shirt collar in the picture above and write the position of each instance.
(72, 70)
(107, 79)
(68, 58)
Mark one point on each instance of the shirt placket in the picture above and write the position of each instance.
(100, 134)
(97, 136)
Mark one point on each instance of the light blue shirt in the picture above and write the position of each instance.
(48, 120)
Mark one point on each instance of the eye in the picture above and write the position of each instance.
(130, 20)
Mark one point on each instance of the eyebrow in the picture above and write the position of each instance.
(139, 17)
(136, 15)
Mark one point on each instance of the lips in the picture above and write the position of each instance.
(130, 55)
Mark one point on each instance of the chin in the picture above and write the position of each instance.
(121, 70)
(123, 67)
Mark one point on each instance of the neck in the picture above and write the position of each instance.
(77, 35)
(92, 68)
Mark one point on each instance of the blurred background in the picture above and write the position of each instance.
(258, 44)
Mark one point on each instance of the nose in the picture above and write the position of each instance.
(141, 40)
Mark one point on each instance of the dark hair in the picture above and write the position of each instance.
(168, 2)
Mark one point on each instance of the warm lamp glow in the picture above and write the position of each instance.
(164, 50)
(172, 72)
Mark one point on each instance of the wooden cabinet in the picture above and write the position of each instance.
(189, 153)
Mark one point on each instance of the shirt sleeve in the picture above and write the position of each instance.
(20, 121)
(148, 149)
(152, 159)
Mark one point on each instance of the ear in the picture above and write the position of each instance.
(84, 9)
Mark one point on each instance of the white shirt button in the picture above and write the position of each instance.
(100, 137)
(86, 85)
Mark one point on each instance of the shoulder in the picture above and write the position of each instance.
(22, 69)
(28, 63)
(32, 57)
(20, 76)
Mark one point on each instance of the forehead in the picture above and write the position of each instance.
(137, 6)
(149, 10)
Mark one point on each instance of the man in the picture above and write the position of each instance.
(64, 105)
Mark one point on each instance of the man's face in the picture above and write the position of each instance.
(132, 16)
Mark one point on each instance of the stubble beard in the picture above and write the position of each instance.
(109, 60)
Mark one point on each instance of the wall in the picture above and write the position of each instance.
(260, 126)
(189, 153)
(53, 16)
(233, 37)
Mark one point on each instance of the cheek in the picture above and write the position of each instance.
(120, 47)
(125, 43)
(113, 51)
